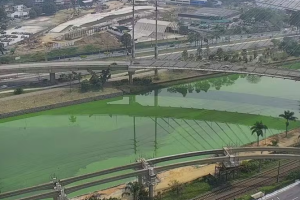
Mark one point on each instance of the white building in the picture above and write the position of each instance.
(19, 12)
(145, 28)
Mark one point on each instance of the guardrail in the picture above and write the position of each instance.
(57, 186)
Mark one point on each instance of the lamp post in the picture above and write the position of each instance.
(133, 23)
(156, 48)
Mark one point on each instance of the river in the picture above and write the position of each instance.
(201, 115)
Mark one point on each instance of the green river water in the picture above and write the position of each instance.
(201, 115)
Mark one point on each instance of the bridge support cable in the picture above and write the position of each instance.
(180, 135)
(171, 133)
(189, 135)
(206, 132)
(198, 134)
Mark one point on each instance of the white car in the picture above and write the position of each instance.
(3, 86)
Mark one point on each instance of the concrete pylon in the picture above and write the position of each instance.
(151, 182)
(52, 77)
(130, 74)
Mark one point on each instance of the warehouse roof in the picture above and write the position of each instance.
(213, 12)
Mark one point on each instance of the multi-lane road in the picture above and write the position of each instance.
(246, 43)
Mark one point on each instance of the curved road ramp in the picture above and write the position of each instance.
(146, 171)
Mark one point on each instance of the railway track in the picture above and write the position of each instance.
(240, 187)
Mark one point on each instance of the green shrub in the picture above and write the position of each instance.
(85, 86)
(142, 81)
(83, 56)
(18, 91)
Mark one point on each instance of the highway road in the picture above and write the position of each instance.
(233, 38)
(292, 193)
(26, 78)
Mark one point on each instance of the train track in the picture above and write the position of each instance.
(240, 187)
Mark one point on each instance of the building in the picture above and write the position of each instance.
(19, 11)
(145, 28)
(57, 2)
(209, 15)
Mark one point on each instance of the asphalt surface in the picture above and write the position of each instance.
(289, 194)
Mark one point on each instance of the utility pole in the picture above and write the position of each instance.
(156, 48)
(278, 171)
(133, 23)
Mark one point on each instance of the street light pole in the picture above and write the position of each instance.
(133, 23)
(156, 48)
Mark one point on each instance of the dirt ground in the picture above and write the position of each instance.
(46, 97)
(190, 173)
(103, 39)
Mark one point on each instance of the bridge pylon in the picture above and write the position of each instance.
(60, 191)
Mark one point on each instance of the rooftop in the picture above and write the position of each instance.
(213, 12)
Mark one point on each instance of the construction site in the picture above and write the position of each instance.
(80, 27)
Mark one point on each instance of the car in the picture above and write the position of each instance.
(207, 63)
(114, 63)
(3, 86)
(226, 67)
(135, 62)
(172, 45)
(3, 32)
(249, 36)
(17, 27)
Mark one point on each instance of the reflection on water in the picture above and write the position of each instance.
(89, 137)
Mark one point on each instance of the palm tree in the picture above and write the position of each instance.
(265, 129)
(289, 116)
(135, 189)
(192, 37)
(258, 129)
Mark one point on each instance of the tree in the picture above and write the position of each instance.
(70, 79)
(192, 37)
(192, 57)
(32, 14)
(136, 190)
(275, 42)
(184, 55)
(105, 75)
(258, 128)
(220, 53)
(77, 76)
(255, 54)
(38, 10)
(2, 49)
(3, 14)
(49, 8)
(295, 19)
(289, 116)
(126, 40)
(199, 51)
